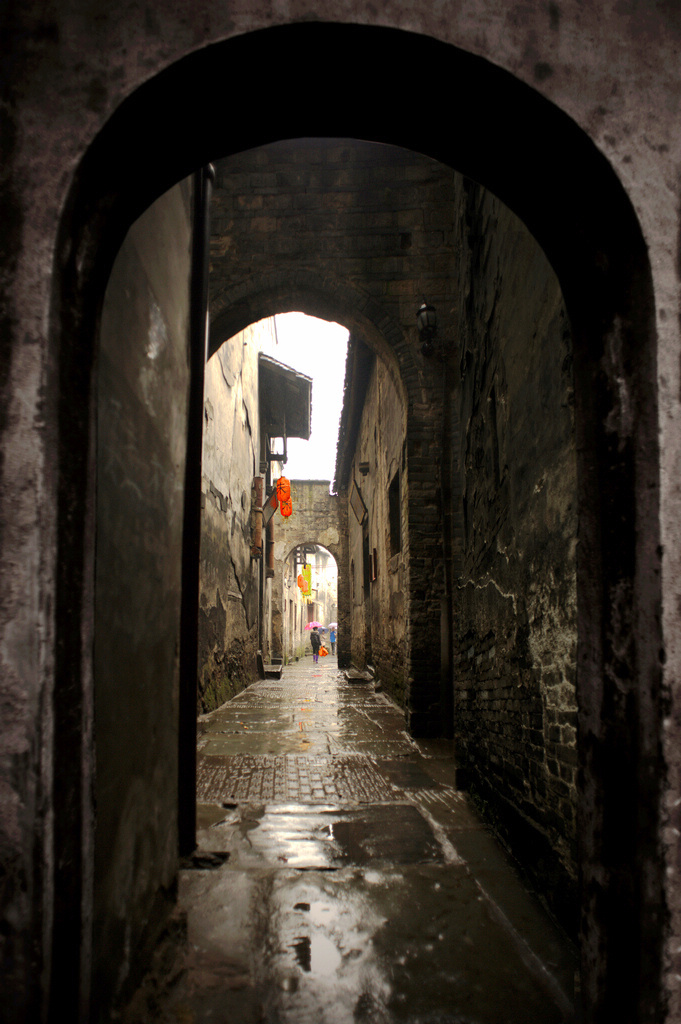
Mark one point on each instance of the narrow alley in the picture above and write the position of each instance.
(340, 876)
(489, 205)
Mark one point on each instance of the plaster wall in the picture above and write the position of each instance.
(141, 438)
(230, 576)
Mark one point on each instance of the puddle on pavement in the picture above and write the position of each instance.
(323, 838)
(394, 832)
(265, 742)
(378, 946)
(316, 954)
(395, 946)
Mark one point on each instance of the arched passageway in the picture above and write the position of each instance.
(529, 154)
(304, 602)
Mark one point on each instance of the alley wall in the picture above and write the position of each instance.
(141, 444)
(462, 532)
(514, 601)
(376, 517)
(229, 616)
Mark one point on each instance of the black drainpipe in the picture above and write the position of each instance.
(191, 542)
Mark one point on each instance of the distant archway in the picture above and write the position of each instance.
(328, 298)
(299, 607)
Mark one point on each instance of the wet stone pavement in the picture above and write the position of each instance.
(341, 878)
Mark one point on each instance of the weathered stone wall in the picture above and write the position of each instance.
(230, 577)
(377, 545)
(515, 605)
(143, 390)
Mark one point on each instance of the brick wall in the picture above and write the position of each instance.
(515, 612)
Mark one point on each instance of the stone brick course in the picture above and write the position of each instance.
(336, 778)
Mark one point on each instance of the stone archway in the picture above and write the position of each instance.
(593, 240)
(318, 519)
(329, 297)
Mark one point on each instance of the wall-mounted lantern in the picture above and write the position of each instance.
(426, 321)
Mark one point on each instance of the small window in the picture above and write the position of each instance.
(374, 566)
(394, 515)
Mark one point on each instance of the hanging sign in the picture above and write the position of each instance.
(357, 503)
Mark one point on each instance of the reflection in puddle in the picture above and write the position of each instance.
(316, 954)
(322, 934)
(324, 957)
(301, 947)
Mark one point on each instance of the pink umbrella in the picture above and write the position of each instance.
(311, 625)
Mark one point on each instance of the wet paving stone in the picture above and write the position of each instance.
(346, 880)
(401, 946)
(407, 774)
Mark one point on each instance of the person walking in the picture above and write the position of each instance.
(315, 643)
(332, 640)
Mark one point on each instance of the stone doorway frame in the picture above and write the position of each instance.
(550, 173)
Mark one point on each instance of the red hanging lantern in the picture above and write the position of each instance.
(286, 508)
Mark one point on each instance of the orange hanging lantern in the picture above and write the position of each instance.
(283, 489)
(284, 496)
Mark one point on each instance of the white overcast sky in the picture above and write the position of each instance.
(316, 348)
